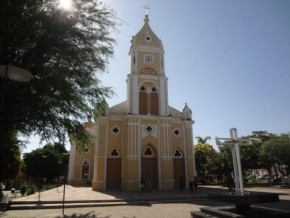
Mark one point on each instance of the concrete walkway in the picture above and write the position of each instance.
(161, 204)
(86, 194)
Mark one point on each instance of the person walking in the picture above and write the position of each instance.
(142, 184)
(195, 183)
(149, 183)
(181, 184)
(231, 183)
(191, 186)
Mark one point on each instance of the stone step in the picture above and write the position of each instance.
(29, 205)
(71, 205)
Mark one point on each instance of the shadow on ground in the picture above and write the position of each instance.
(86, 215)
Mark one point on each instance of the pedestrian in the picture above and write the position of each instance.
(181, 184)
(195, 183)
(231, 184)
(1, 195)
(191, 186)
(149, 183)
(142, 184)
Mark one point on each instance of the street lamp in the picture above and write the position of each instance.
(15, 74)
(40, 181)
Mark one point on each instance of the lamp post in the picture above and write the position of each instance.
(40, 183)
(64, 180)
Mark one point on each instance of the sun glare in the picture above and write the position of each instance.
(66, 4)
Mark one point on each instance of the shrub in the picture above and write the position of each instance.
(23, 190)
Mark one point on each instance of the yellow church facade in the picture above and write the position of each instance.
(142, 138)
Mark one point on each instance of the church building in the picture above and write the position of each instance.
(142, 138)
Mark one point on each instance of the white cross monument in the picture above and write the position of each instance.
(234, 142)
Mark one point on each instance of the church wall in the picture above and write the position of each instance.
(79, 159)
(131, 175)
(100, 173)
(167, 182)
(149, 140)
(177, 139)
(131, 154)
(115, 136)
(189, 150)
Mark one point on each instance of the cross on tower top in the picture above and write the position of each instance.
(146, 7)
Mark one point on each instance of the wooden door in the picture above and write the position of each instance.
(149, 167)
(179, 172)
(114, 173)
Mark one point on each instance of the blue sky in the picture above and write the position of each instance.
(228, 59)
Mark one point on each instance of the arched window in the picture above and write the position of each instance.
(148, 99)
(85, 170)
(142, 101)
(154, 97)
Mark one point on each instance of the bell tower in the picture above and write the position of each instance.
(147, 90)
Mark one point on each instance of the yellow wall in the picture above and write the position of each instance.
(131, 164)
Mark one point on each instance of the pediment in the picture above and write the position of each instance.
(174, 112)
(121, 108)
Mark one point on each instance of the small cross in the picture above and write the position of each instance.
(146, 9)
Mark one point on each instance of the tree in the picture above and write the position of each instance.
(250, 156)
(262, 136)
(48, 162)
(201, 140)
(277, 151)
(203, 154)
(65, 51)
(225, 156)
(10, 161)
(250, 153)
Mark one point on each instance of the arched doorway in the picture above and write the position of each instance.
(114, 170)
(149, 166)
(179, 169)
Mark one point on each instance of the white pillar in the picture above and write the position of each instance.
(72, 155)
(237, 162)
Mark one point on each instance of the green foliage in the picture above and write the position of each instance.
(203, 154)
(277, 151)
(31, 189)
(225, 156)
(100, 109)
(250, 156)
(266, 151)
(65, 51)
(49, 162)
(10, 160)
(23, 190)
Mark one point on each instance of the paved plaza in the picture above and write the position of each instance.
(135, 204)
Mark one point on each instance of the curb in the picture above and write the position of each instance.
(31, 205)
